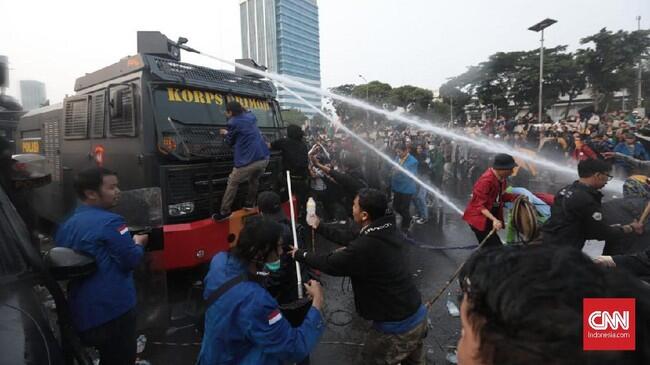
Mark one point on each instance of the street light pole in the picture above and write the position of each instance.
(367, 96)
(366, 81)
(451, 111)
(639, 99)
(539, 27)
(541, 78)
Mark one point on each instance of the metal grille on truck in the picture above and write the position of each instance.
(206, 183)
(204, 141)
(125, 125)
(98, 114)
(75, 123)
(51, 147)
(193, 72)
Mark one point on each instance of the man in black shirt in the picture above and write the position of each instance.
(294, 158)
(384, 291)
(576, 214)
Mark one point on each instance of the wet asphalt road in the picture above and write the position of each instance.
(343, 338)
(345, 329)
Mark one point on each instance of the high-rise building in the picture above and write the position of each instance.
(283, 35)
(32, 94)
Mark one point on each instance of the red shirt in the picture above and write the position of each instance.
(584, 153)
(488, 193)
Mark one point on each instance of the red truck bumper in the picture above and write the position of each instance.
(188, 245)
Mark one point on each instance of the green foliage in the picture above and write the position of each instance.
(319, 121)
(415, 99)
(293, 116)
(609, 63)
(510, 80)
(344, 110)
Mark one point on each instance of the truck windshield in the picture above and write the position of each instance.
(198, 106)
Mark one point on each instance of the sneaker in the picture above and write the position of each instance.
(421, 221)
(221, 216)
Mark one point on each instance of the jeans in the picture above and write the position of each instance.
(251, 173)
(421, 203)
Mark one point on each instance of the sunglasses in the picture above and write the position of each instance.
(609, 177)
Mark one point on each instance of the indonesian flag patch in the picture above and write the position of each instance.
(123, 229)
(274, 317)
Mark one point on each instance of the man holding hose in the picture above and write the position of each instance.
(374, 258)
(484, 212)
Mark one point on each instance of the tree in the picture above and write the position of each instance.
(458, 91)
(293, 116)
(610, 63)
(344, 110)
(412, 98)
(440, 111)
(570, 78)
(319, 121)
(374, 92)
(562, 76)
(510, 80)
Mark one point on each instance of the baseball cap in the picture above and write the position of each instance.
(269, 204)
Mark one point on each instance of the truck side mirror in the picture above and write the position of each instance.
(116, 104)
(66, 264)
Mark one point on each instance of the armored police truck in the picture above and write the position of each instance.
(155, 121)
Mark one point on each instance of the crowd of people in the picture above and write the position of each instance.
(519, 304)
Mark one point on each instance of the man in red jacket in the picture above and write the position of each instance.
(485, 210)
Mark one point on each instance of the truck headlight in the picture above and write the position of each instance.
(180, 209)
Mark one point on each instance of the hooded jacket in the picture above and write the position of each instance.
(375, 261)
(246, 140)
(244, 326)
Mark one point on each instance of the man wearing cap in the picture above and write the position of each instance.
(576, 214)
(484, 212)
(251, 156)
(282, 283)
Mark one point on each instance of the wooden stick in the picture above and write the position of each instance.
(295, 236)
(451, 279)
(645, 214)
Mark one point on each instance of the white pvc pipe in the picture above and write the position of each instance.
(295, 236)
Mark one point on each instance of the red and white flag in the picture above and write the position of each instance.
(274, 317)
(123, 229)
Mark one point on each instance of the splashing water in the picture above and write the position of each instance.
(481, 143)
(387, 158)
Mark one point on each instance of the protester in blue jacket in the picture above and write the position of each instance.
(103, 304)
(630, 147)
(243, 323)
(250, 153)
(403, 186)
